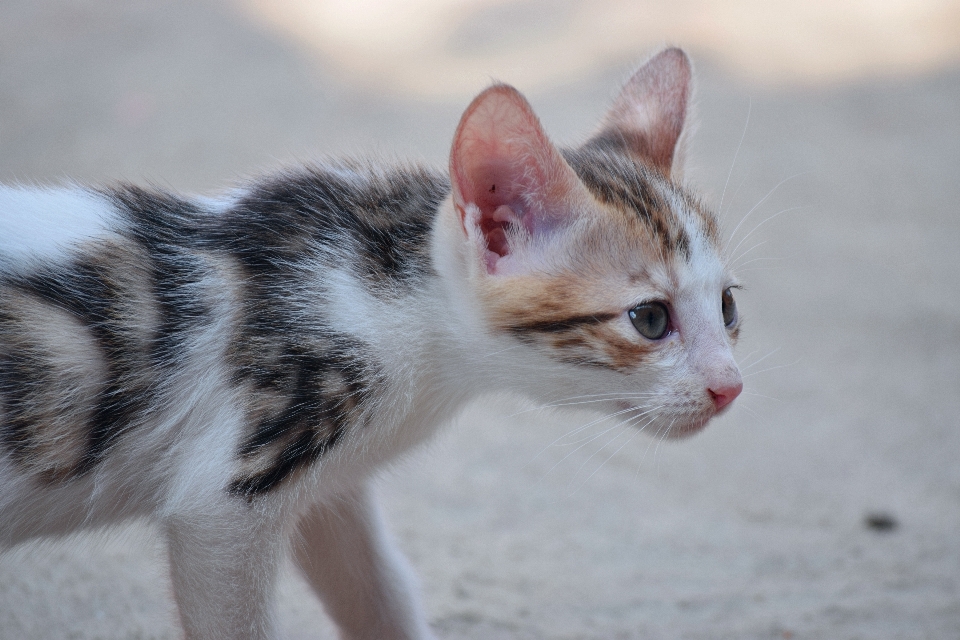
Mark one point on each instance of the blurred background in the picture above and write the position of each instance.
(826, 504)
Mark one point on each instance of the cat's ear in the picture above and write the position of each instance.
(511, 187)
(648, 116)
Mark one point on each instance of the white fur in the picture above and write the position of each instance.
(43, 224)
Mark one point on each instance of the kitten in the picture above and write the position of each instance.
(238, 369)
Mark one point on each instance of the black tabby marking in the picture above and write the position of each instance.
(169, 229)
(615, 178)
(137, 296)
(31, 426)
(325, 395)
(306, 385)
(560, 326)
(379, 224)
(93, 290)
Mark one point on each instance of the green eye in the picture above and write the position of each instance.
(728, 308)
(651, 319)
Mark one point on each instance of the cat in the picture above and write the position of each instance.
(239, 368)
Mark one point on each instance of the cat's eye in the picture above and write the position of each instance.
(651, 319)
(728, 307)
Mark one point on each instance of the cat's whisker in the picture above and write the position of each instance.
(496, 353)
(585, 443)
(610, 457)
(757, 228)
(656, 451)
(619, 396)
(782, 366)
(583, 428)
(747, 357)
(735, 154)
(754, 208)
(563, 403)
(626, 424)
(739, 188)
(739, 268)
(605, 394)
(602, 396)
(736, 260)
(747, 408)
(577, 430)
(623, 427)
(759, 395)
(647, 450)
(744, 367)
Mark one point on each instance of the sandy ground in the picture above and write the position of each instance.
(755, 529)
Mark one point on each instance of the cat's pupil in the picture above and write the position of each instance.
(728, 308)
(651, 319)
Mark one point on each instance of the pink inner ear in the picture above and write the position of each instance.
(494, 229)
(503, 163)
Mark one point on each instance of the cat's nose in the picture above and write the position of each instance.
(723, 395)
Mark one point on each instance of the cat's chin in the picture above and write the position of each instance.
(681, 432)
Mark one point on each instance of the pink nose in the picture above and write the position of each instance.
(724, 395)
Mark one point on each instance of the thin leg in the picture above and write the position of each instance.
(224, 568)
(364, 582)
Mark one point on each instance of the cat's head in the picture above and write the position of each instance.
(602, 279)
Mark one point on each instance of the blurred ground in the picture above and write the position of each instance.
(754, 529)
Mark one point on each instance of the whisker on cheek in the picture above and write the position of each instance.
(593, 422)
(587, 441)
(737, 264)
(626, 424)
(656, 451)
(744, 367)
(564, 403)
(781, 366)
(757, 228)
(759, 395)
(754, 208)
(734, 164)
(574, 432)
(610, 457)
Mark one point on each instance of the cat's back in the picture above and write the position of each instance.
(370, 218)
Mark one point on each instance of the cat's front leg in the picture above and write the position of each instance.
(224, 563)
(350, 561)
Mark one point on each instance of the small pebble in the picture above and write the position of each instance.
(880, 522)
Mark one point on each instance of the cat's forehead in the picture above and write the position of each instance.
(646, 222)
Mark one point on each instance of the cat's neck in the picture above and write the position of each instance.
(471, 360)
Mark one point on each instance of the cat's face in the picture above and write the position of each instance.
(607, 274)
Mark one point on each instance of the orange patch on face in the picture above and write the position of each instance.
(570, 317)
(623, 354)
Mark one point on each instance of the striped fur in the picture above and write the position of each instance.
(237, 369)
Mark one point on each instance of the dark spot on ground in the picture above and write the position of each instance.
(879, 521)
